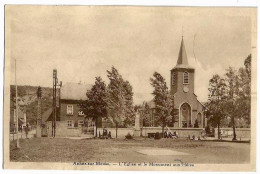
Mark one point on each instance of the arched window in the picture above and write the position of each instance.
(185, 78)
(173, 78)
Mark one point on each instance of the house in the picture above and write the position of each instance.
(70, 119)
(21, 120)
(188, 109)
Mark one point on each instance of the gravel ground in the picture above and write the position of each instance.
(119, 150)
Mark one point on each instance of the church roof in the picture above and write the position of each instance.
(182, 61)
(182, 58)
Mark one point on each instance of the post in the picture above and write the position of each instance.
(39, 119)
(54, 103)
(17, 119)
(55, 113)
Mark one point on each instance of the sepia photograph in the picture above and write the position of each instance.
(130, 88)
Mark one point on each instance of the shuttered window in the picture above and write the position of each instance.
(173, 78)
(185, 78)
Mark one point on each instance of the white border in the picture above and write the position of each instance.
(201, 3)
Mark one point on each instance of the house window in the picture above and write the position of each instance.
(70, 109)
(185, 78)
(80, 122)
(173, 78)
(81, 113)
(69, 123)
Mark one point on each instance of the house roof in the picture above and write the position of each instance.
(46, 115)
(20, 116)
(74, 91)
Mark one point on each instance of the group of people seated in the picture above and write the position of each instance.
(169, 134)
(194, 138)
(105, 135)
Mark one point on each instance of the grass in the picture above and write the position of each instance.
(118, 150)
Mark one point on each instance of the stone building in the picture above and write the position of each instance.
(71, 120)
(189, 109)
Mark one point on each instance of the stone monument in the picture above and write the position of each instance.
(137, 129)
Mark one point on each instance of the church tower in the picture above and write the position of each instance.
(182, 75)
(190, 110)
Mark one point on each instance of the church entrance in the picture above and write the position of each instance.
(185, 111)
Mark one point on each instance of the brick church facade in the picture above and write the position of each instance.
(182, 88)
(190, 110)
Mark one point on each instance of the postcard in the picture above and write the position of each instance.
(130, 88)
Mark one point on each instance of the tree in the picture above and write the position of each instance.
(95, 106)
(216, 101)
(245, 88)
(116, 98)
(146, 115)
(238, 93)
(232, 105)
(129, 106)
(163, 100)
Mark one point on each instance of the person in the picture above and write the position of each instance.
(165, 134)
(105, 133)
(170, 135)
(109, 135)
(176, 134)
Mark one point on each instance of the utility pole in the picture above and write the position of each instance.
(54, 103)
(17, 119)
(39, 118)
(54, 106)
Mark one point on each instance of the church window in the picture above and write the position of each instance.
(173, 78)
(185, 78)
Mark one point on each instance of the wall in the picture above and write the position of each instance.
(121, 132)
(182, 132)
(62, 130)
(63, 111)
(75, 117)
(240, 132)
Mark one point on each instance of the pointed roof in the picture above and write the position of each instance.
(182, 61)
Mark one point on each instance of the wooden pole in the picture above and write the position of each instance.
(17, 119)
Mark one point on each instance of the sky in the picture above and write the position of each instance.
(83, 42)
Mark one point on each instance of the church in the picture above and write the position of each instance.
(189, 111)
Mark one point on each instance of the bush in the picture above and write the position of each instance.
(129, 136)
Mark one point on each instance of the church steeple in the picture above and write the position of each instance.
(182, 59)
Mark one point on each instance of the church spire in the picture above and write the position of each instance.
(182, 59)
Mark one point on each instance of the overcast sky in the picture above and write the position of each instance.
(82, 42)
